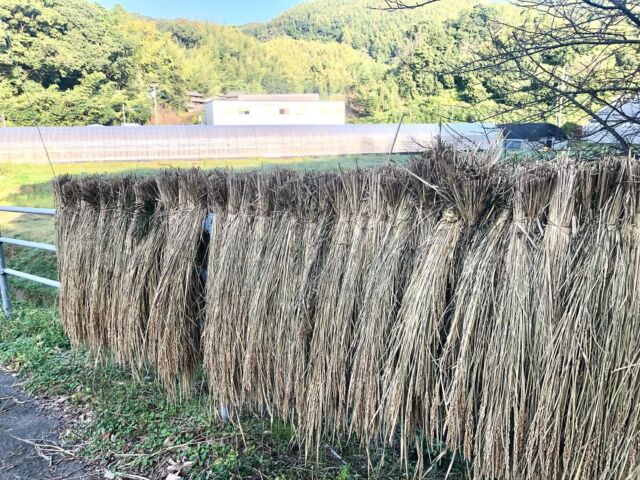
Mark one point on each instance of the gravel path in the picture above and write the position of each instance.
(24, 426)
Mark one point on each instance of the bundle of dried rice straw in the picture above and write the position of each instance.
(487, 307)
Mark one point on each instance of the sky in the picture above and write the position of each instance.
(228, 12)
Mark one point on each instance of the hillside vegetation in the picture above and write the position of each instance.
(379, 33)
(72, 62)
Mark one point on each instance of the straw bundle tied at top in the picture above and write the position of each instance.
(337, 302)
(77, 221)
(414, 381)
(391, 239)
(112, 297)
(140, 264)
(223, 338)
(173, 336)
(273, 280)
(66, 225)
(458, 301)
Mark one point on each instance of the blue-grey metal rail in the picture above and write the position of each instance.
(28, 244)
(5, 272)
(35, 211)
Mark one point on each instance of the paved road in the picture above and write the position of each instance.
(23, 421)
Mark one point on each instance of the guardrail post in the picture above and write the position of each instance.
(4, 285)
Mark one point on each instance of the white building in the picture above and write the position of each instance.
(296, 109)
(626, 122)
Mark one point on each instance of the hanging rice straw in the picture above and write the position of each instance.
(173, 332)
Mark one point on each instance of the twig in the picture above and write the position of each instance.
(131, 476)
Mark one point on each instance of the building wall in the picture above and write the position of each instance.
(244, 112)
(533, 146)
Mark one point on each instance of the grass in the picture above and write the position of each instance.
(136, 430)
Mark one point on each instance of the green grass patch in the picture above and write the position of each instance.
(136, 429)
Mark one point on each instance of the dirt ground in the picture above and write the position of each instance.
(28, 439)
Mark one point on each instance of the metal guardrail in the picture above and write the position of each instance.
(35, 211)
(5, 272)
(28, 244)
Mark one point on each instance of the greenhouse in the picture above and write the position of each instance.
(200, 142)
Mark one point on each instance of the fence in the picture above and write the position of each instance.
(5, 272)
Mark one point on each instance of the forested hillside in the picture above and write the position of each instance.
(72, 62)
(357, 23)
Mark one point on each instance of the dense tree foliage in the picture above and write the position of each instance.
(361, 24)
(71, 62)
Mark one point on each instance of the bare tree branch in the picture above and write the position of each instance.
(581, 56)
(589, 38)
(403, 5)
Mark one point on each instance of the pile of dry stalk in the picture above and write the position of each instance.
(491, 308)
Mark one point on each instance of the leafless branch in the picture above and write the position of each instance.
(582, 56)
(403, 5)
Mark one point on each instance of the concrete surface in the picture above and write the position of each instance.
(25, 425)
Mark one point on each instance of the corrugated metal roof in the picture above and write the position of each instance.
(201, 142)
